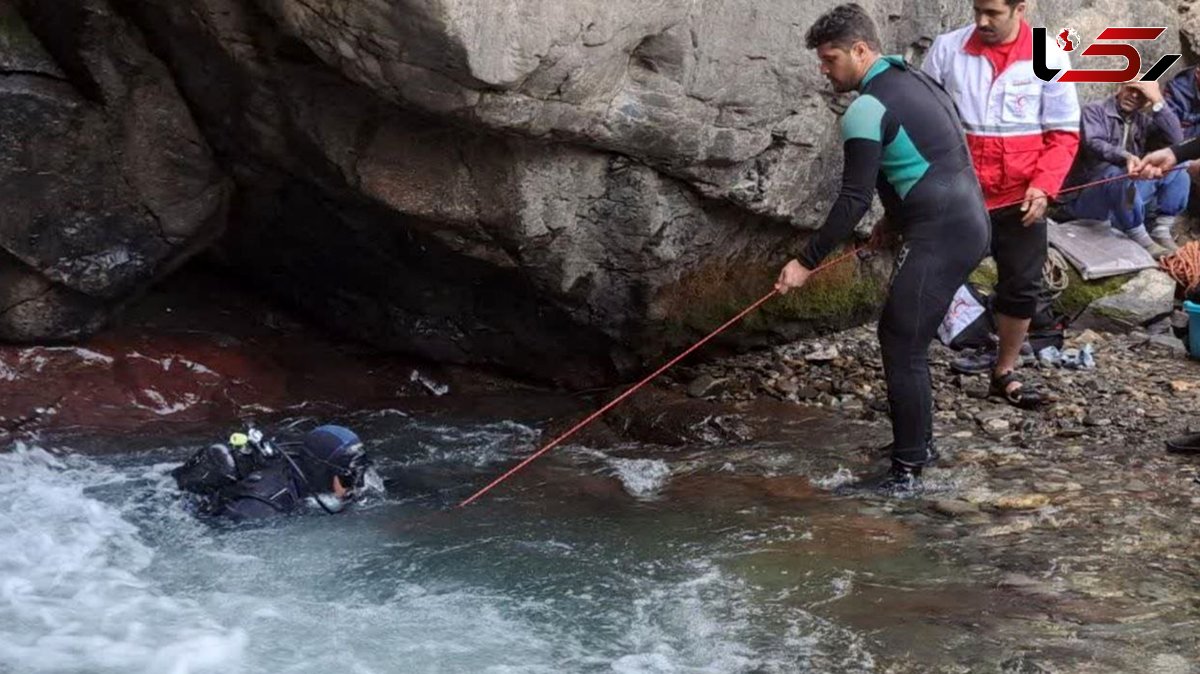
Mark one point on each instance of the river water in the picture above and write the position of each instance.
(585, 567)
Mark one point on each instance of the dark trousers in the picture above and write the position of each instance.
(938, 255)
(1020, 254)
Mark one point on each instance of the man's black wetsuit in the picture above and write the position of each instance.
(903, 136)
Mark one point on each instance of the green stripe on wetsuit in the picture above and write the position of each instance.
(902, 163)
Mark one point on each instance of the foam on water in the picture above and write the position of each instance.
(480, 446)
(642, 478)
(842, 476)
(102, 570)
(73, 595)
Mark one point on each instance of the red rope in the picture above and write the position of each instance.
(636, 387)
(633, 389)
(1084, 186)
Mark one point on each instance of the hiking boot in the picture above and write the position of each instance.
(898, 480)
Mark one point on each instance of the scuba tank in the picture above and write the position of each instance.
(222, 465)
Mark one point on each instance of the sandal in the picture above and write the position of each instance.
(1023, 396)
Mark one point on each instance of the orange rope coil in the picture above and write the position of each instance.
(1184, 265)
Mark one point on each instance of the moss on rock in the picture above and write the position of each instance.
(1080, 294)
(706, 298)
(13, 31)
(985, 275)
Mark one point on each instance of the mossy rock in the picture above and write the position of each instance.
(1080, 294)
(985, 275)
(14, 34)
(843, 295)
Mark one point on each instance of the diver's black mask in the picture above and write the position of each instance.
(349, 465)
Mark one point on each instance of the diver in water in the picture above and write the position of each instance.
(250, 478)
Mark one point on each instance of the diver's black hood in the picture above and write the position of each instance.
(329, 451)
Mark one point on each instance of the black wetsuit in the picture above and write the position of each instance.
(239, 485)
(903, 137)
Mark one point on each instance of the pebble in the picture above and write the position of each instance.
(955, 507)
(822, 354)
(996, 426)
(1017, 527)
(704, 385)
(1021, 502)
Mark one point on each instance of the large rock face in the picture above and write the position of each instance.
(104, 176)
(559, 188)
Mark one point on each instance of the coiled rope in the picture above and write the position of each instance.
(1184, 265)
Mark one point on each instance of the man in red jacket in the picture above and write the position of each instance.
(1023, 134)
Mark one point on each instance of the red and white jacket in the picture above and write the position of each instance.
(1022, 131)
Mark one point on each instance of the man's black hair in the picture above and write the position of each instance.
(843, 26)
(1012, 4)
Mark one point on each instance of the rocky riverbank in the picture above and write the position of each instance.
(1076, 513)
(1141, 391)
(1074, 520)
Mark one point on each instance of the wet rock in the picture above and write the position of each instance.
(428, 384)
(787, 387)
(1027, 585)
(706, 385)
(1026, 664)
(955, 508)
(107, 181)
(1172, 663)
(1016, 527)
(807, 393)
(1021, 502)
(1057, 487)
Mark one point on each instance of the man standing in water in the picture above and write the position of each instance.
(1023, 134)
(903, 137)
